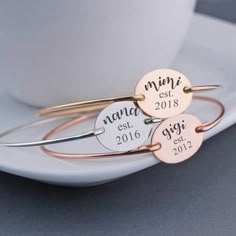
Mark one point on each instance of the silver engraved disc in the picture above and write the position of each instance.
(124, 126)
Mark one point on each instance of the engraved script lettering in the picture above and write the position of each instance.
(119, 114)
(176, 128)
(162, 82)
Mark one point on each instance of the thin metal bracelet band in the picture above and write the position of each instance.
(209, 125)
(144, 149)
(87, 134)
(94, 105)
(92, 133)
(139, 150)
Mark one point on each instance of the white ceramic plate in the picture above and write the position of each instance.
(207, 57)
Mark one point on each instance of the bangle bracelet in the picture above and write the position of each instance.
(44, 142)
(161, 93)
(140, 120)
(174, 140)
(87, 134)
(190, 125)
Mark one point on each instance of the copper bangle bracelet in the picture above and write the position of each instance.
(202, 128)
(98, 104)
(126, 123)
(163, 85)
(154, 147)
(158, 146)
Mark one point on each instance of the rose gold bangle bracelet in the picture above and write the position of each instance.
(160, 88)
(174, 140)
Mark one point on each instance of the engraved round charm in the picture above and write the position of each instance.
(178, 138)
(164, 93)
(124, 126)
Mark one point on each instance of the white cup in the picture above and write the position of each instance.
(60, 51)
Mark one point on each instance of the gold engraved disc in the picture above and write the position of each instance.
(164, 94)
(178, 138)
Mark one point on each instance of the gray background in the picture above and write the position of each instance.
(196, 197)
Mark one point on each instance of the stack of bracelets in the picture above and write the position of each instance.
(125, 123)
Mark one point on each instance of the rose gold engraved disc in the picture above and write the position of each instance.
(178, 138)
(164, 93)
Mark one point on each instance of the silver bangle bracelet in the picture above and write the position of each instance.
(86, 134)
